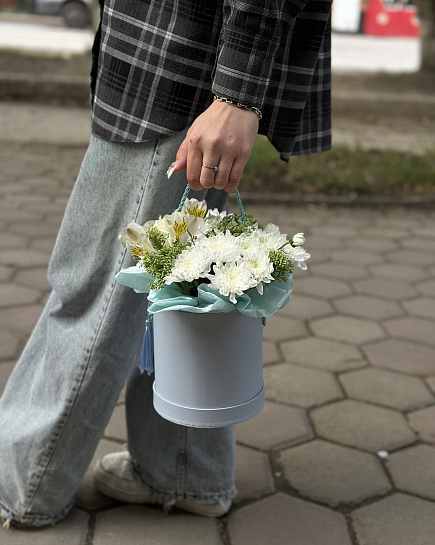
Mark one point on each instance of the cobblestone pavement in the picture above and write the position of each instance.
(343, 452)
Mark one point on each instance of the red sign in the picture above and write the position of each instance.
(391, 19)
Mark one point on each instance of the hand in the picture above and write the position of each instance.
(222, 136)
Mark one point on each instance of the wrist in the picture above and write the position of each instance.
(239, 105)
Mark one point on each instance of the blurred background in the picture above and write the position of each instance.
(383, 60)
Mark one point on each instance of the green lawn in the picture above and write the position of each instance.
(340, 171)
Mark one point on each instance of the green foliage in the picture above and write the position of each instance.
(157, 238)
(340, 171)
(235, 225)
(160, 265)
(281, 267)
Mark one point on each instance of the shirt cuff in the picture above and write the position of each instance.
(243, 67)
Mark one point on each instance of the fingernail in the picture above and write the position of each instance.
(171, 169)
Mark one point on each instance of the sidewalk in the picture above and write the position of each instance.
(343, 453)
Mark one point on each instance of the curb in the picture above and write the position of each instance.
(71, 90)
(362, 201)
(60, 89)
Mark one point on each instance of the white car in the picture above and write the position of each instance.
(76, 13)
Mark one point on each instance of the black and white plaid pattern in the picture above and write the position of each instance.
(158, 64)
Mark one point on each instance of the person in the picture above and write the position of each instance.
(187, 84)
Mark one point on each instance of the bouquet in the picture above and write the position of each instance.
(201, 260)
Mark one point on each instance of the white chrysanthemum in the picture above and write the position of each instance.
(223, 247)
(248, 241)
(297, 255)
(260, 265)
(272, 228)
(190, 265)
(271, 241)
(232, 279)
(298, 239)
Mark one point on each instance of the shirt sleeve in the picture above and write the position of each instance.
(250, 35)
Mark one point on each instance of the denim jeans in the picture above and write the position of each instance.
(88, 339)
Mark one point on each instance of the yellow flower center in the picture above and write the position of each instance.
(179, 228)
(197, 212)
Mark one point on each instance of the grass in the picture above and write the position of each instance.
(340, 171)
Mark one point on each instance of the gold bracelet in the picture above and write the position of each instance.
(239, 105)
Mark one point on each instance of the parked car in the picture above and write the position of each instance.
(76, 13)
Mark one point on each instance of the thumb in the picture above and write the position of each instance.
(180, 162)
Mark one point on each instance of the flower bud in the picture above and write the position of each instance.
(298, 239)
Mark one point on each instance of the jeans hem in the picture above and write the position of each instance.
(8, 518)
(168, 499)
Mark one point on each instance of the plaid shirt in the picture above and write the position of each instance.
(157, 65)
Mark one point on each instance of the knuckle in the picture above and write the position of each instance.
(192, 180)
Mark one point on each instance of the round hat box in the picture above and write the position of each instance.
(208, 368)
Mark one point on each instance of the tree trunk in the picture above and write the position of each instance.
(426, 13)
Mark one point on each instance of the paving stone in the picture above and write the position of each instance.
(333, 474)
(34, 278)
(5, 371)
(322, 243)
(398, 272)
(275, 427)
(13, 295)
(253, 475)
(386, 289)
(30, 258)
(363, 426)
(427, 287)
(37, 230)
(5, 273)
(116, 428)
(357, 257)
(282, 328)
(322, 354)
(414, 244)
(139, 524)
(386, 388)
(397, 520)
(9, 240)
(44, 244)
(270, 353)
(321, 287)
(428, 232)
(88, 497)
(410, 256)
(8, 345)
(393, 234)
(300, 386)
(22, 319)
(431, 383)
(413, 329)
(373, 245)
(402, 356)
(368, 307)
(284, 520)
(71, 531)
(423, 422)
(340, 271)
(347, 329)
(305, 308)
(413, 470)
(334, 232)
(424, 307)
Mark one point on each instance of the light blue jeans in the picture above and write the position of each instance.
(64, 387)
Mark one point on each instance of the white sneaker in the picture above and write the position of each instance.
(112, 476)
